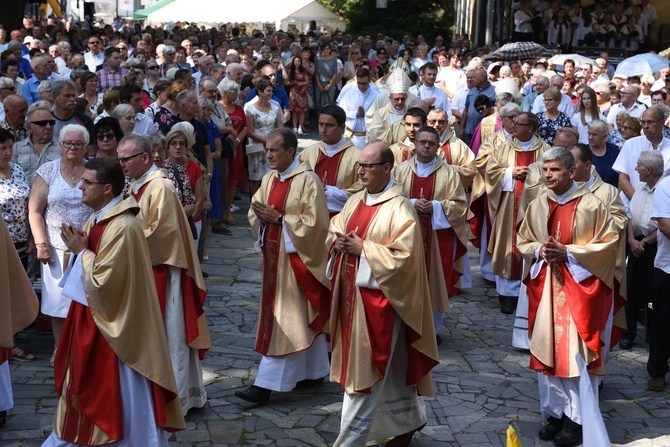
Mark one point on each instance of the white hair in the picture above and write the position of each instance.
(74, 128)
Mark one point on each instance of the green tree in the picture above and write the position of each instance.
(427, 17)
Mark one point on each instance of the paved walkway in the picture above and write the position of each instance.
(482, 384)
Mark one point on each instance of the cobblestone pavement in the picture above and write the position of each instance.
(482, 384)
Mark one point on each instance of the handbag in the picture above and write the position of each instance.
(191, 222)
(254, 147)
(228, 148)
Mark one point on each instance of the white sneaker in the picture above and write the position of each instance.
(300, 132)
(234, 208)
(295, 130)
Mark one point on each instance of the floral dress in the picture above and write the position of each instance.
(14, 193)
(548, 128)
(263, 124)
(298, 95)
(163, 120)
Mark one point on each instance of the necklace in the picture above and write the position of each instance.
(74, 179)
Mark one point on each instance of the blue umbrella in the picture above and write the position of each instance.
(641, 64)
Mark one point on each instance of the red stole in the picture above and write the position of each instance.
(423, 188)
(316, 293)
(94, 373)
(406, 154)
(447, 153)
(587, 303)
(327, 169)
(523, 158)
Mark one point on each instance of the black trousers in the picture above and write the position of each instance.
(659, 340)
(639, 277)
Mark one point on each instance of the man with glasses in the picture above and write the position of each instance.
(94, 58)
(382, 115)
(177, 271)
(15, 116)
(566, 102)
(376, 251)
(41, 145)
(111, 75)
(452, 149)
(356, 99)
(506, 172)
(652, 139)
(289, 215)
(439, 199)
(628, 104)
(131, 352)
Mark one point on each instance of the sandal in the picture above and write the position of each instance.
(53, 357)
(19, 355)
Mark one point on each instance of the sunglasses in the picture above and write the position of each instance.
(480, 109)
(153, 67)
(105, 136)
(43, 123)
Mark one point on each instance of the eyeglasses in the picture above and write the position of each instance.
(86, 183)
(626, 128)
(43, 123)
(522, 124)
(71, 144)
(508, 116)
(127, 159)
(367, 166)
(480, 109)
(433, 122)
(105, 136)
(549, 100)
(153, 67)
(177, 143)
(649, 122)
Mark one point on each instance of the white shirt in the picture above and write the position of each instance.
(576, 122)
(565, 106)
(636, 112)
(94, 61)
(640, 211)
(441, 98)
(661, 209)
(143, 124)
(459, 99)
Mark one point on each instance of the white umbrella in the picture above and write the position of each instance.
(642, 64)
(579, 60)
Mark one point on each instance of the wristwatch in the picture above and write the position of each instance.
(280, 220)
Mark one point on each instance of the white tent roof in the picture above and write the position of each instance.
(223, 11)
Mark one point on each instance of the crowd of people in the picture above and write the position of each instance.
(122, 148)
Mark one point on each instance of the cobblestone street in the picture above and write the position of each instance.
(482, 384)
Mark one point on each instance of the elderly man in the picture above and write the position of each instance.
(628, 104)
(112, 73)
(438, 196)
(42, 66)
(506, 173)
(471, 117)
(333, 158)
(377, 256)
(566, 102)
(604, 153)
(41, 145)
(356, 102)
(642, 244)
(181, 288)
(118, 314)
(480, 222)
(568, 316)
(540, 85)
(65, 93)
(205, 63)
(652, 139)
(453, 150)
(378, 120)
(15, 117)
(290, 216)
(429, 92)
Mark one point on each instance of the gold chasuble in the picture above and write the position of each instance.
(444, 249)
(362, 317)
(504, 205)
(171, 244)
(295, 297)
(17, 297)
(456, 153)
(122, 322)
(566, 317)
(338, 170)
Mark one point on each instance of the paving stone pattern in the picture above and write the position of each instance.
(482, 384)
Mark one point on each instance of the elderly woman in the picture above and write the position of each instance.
(551, 120)
(125, 113)
(421, 58)
(88, 82)
(14, 193)
(55, 199)
(603, 98)
(588, 111)
(604, 154)
(108, 134)
(175, 172)
(10, 69)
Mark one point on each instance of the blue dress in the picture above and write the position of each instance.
(213, 133)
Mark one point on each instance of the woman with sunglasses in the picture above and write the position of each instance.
(350, 64)
(152, 77)
(107, 133)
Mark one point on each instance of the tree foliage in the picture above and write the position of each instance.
(427, 17)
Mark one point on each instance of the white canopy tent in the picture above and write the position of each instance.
(224, 11)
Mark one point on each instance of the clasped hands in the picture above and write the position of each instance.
(75, 239)
(553, 251)
(423, 206)
(349, 243)
(266, 213)
(520, 172)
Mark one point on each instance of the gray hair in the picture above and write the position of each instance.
(182, 128)
(234, 65)
(205, 79)
(660, 109)
(61, 45)
(142, 143)
(74, 128)
(39, 105)
(653, 160)
(559, 154)
(62, 84)
(226, 85)
(599, 125)
(509, 108)
(504, 98)
(37, 60)
(6, 82)
(603, 89)
(542, 80)
(182, 97)
(288, 138)
(155, 139)
(557, 78)
(205, 104)
(122, 110)
(44, 87)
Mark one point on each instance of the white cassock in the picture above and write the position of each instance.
(350, 99)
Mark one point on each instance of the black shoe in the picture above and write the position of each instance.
(3, 418)
(404, 439)
(626, 343)
(221, 229)
(308, 383)
(549, 431)
(205, 274)
(438, 339)
(255, 395)
(508, 304)
(569, 437)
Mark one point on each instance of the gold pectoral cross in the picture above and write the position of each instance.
(421, 194)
